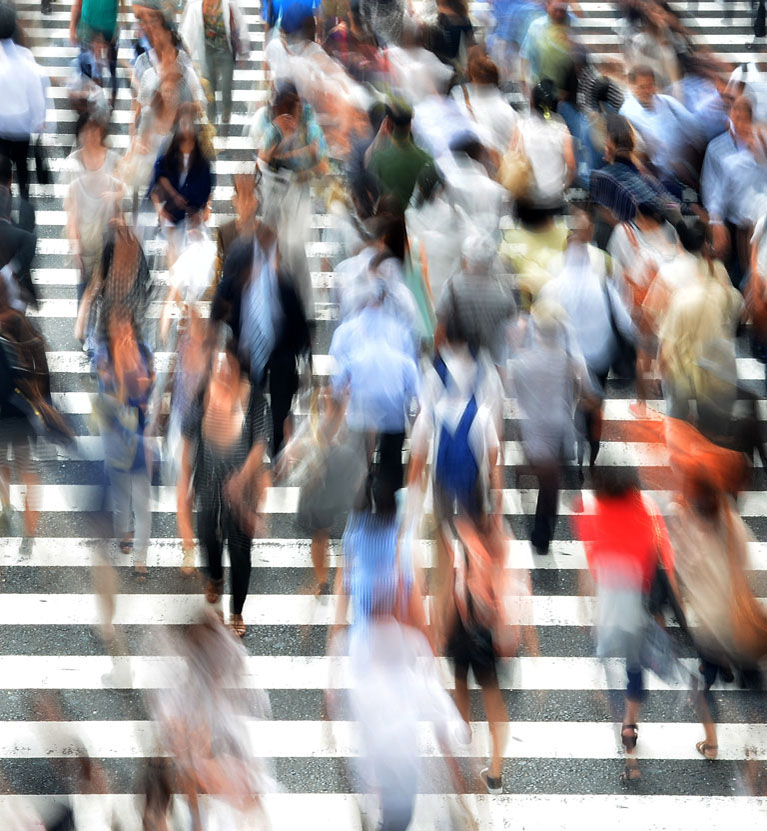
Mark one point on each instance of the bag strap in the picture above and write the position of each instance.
(467, 101)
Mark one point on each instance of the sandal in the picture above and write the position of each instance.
(213, 590)
(629, 742)
(126, 546)
(631, 773)
(708, 751)
(237, 625)
(140, 572)
(188, 568)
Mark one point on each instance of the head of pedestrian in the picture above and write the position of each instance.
(91, 131)
(224, 385)
(581, 226)
(286, 100)
(742, 118)
(642, 80)
(8, 21)
(648, 216)
(619, 141)
(399, 118)
(478, 256)
(544, 99)
(481, 69)
(245, 199)
(615, 482)
(557, 11)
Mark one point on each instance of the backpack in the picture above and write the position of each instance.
(456, 468)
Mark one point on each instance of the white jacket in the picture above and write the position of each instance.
(21, 91)
(193, 31)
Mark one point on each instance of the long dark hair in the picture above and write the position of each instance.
(173, 153)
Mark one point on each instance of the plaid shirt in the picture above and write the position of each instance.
(621, 188)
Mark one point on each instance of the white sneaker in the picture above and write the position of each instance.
(494, 786)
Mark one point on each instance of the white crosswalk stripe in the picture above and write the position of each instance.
(564, 744)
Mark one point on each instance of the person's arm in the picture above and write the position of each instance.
(569, 157)
(74, 19)
(185, 497)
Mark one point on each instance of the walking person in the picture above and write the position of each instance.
(216, 34)
(126, 376)
(23, 96)
(625, 538)
(222, 469)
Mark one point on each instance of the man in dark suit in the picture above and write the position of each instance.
(18, 242)
(257, 300)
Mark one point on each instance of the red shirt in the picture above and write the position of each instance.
(624, 535)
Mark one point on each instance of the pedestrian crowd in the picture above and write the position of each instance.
(516, 239)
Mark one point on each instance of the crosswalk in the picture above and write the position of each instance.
(563, 753)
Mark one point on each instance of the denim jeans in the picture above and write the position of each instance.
(131, 492)
(220, 72)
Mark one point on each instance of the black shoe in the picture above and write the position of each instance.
(540, 550)
(493, 785)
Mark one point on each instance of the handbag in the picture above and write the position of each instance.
(749, 621)
(516, 172)
(624, 360)
(42, 169)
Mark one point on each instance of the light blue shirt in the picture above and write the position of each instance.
(732, 181)
(379, 373)
(667, 129)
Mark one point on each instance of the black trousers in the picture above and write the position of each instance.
(214, 527)
(282, 383)
(18, 151)
(547, 505)
(390, 465)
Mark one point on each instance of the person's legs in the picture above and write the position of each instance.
(320, 541)
(226, 77)
(283, 383)
(239, 559)
(17, 150)
(634, 695)
(212, 544)
(141, 498)
(390, 458)
(120, 481)
(112, 56)
(213, 68)
(497, 719)
(546, 507)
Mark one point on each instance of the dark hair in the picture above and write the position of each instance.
(286, 97)
(469, 144)
(615, 482)
(90, 120)
(545, 97)
(6, 171)
(650, 210)
(457, 7)
(376, 115)
(391, 229)
(7, 20)
(173, 153)
(642, 70)
(692, 234)
(620, 133)
(400, 116)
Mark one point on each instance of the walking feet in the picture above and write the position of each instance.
(237, 625)
(709, 751)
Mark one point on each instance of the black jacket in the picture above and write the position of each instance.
(18, 241)
(293, 338)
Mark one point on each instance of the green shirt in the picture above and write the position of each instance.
(100, 16)
(398, 168)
